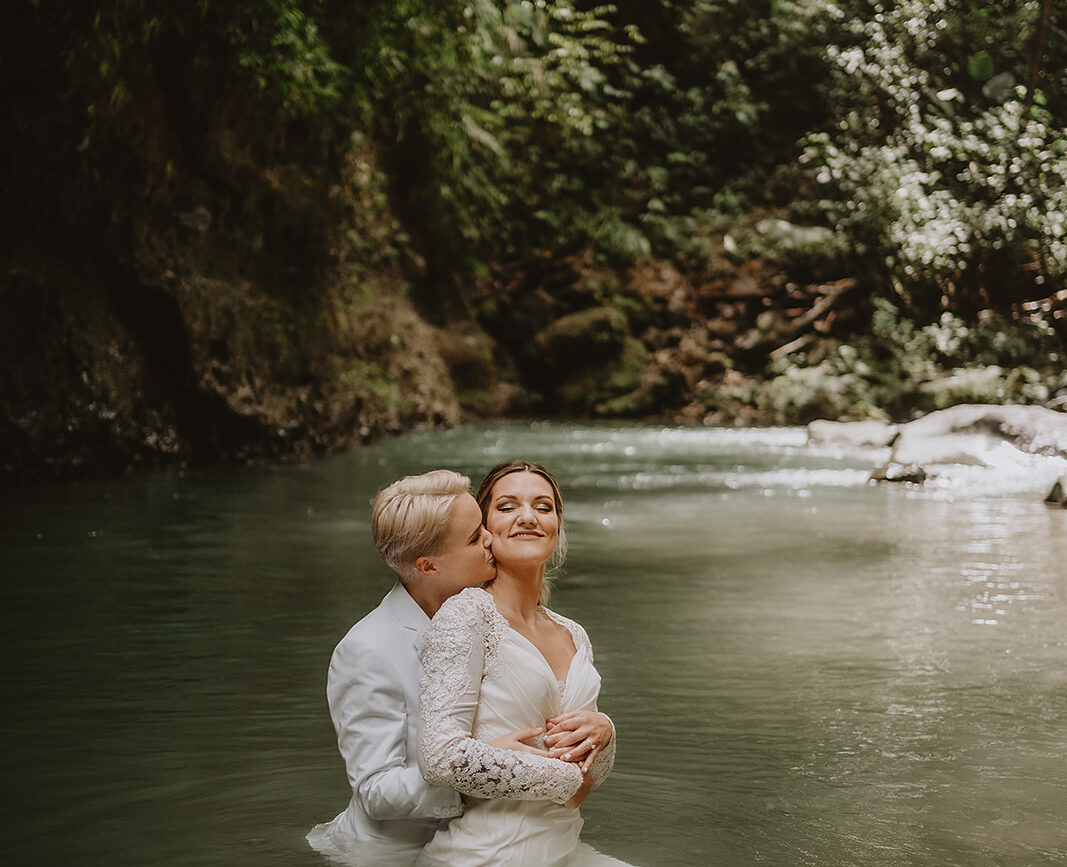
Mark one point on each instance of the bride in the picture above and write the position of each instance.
(494, 661)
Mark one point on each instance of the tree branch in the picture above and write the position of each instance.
(1033, 74)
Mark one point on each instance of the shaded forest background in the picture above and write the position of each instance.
(241, 230)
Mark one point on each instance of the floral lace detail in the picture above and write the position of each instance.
(458, 647)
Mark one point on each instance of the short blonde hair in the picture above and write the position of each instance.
(409, 518)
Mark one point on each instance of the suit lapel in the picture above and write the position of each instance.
(406, 611)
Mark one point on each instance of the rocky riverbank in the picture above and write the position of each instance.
(173, 357)
(1019, 449)
(328, 249)
(188, 322)
(742, 341)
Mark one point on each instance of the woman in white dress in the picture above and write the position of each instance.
(494, 661)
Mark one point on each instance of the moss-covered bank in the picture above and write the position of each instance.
(178, 354)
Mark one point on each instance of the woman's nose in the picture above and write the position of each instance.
(487, 538)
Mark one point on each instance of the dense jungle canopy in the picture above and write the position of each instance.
(238, 229)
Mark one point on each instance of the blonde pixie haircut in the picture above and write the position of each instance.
(409, 518)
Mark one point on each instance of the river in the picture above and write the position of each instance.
(803, 669)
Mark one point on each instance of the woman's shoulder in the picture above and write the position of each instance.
(465, 620)
(470, 604)
(576, 629)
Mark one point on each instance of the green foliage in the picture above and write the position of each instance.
(939, 166)
(540, 164)
(435, 137)
(902, 368)
(269, 53)
(514, 127)
(725, 92)
(286, 56)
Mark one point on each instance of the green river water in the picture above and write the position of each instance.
(803, 669)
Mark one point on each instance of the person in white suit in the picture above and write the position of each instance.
(428, 529)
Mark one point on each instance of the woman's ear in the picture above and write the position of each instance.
(426, 567)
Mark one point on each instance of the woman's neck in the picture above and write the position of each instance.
(517, 590)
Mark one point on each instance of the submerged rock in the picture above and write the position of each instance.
(1058, 495)
(894, 472)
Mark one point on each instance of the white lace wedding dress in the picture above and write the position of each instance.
(481, 679)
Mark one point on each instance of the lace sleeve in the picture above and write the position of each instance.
(453, 658)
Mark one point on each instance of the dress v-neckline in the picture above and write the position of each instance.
(561, 683)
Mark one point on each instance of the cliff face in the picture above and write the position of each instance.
(197, 263)
(167, 306)
(205, 369)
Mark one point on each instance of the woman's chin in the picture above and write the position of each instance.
(521, 560)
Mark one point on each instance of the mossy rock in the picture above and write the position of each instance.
(482, 377)
(588, 339)
(658, 391)
(612, 377)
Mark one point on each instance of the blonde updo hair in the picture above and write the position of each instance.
(485, 496)
(409, 518)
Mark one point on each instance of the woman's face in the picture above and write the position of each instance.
(522, 519)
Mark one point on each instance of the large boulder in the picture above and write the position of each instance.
(894, 472)
(581, 362)
(1027, 445)
(585, 339)
(970, 430)
(852, 434)
(587, 389)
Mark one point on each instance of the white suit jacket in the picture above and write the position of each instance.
(373, 692)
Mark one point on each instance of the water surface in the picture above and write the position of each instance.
(803, 669)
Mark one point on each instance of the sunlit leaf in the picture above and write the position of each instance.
(980, 66)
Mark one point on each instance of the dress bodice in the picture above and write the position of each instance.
(522, 690)
(482, 679)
